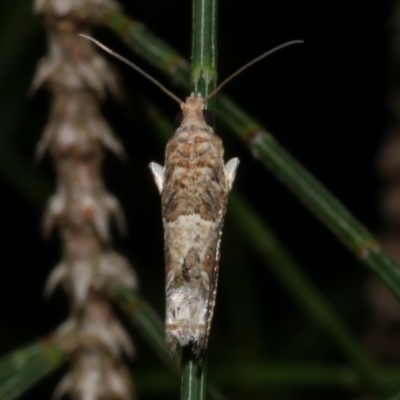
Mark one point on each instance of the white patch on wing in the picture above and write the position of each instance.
(230, 172)
(158, 175)
(188, 231)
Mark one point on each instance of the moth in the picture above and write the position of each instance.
(194, 184)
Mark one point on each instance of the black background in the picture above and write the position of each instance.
(324, 101)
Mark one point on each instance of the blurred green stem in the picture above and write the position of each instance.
(290, 274)
(24, 367)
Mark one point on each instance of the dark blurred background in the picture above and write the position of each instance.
(324, 101)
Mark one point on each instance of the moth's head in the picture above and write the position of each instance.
(193, 103)
(193, 112)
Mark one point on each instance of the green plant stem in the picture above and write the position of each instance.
(23, 368)
(203, 80)
(193, 377)
(265, 148)
(204, 49)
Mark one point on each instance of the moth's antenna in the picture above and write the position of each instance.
(134, 66)
(257, 59)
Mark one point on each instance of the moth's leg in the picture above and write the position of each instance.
(158, 174)
(230, 172)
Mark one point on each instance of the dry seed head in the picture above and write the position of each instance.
(76, 127)
(78, 278)
(95, 324)
(73, 64)
(76, 207)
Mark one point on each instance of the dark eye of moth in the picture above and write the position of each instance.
(208, 117)
(178, 118)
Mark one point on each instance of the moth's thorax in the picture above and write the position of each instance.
(192, 110)
(194, 141)
(194, 176)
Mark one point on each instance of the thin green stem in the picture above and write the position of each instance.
(204, 49)
(203, 80)
(265, 148)
(193, 377)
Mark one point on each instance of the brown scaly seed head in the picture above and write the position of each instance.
(74, 64)
(95, 325)
(74, 134)
(86, 265)
(76, 127)
(194, 185)
(81, 200)
(78, 76)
